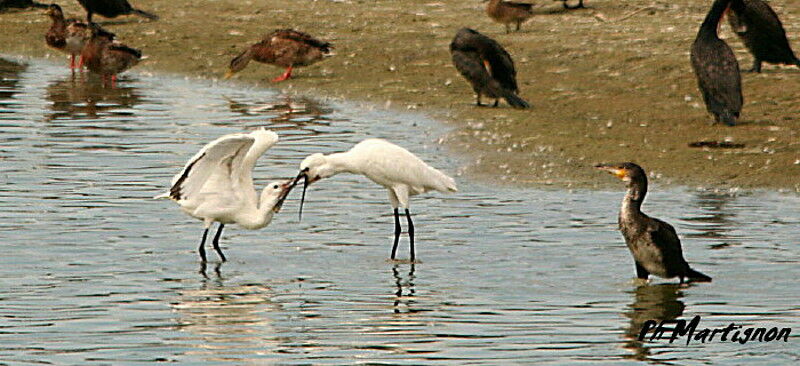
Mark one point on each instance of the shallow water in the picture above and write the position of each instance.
(95, 271)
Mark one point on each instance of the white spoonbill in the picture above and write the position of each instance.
(217, 185)
(389, 165)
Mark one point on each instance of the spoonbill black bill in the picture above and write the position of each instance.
(216, 185)
(391, 166)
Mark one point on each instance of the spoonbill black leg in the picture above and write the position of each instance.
(201, 249)
(410, 233)
(216, 242)
(396, 231)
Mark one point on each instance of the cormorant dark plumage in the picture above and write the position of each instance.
(284, 47)
(112, 9)
(654, 244)
(716, 68)
(487, 66)
(762, 32)
(508, 12)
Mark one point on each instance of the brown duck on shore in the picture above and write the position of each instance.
(716, 68)
(285, 47)
(103, 56)
(66, 35)
(487, 67)
(758, 26)
(112, 9)
(508, 12)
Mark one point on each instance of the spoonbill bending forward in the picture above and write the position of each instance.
(389, 165)
(217, 185)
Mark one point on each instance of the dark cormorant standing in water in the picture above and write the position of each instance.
(716, 68)
(759, 28)
(487, 66)
(112, 9)
(653, 243)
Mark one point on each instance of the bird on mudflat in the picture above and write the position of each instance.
(759, 28)
(284, 47)
(106, 57)
(388, 165)
(66, 35)
(716, 68)
(487, 67)
(654, 244)
(509, 12)
(579, 5)
(112, 9)
(216, 185)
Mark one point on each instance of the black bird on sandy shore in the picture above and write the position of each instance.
(487, 67)
(716, 68)
(654, 244)
(112, 9)
(758, 26)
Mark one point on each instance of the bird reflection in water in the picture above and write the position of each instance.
(79, 96)
(652, 302)
(286, 111)
(716, 219)
(10, 74)
(226, 322)
(403, 303)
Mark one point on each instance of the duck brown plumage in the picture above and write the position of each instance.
(654, 244)
(286, 48)
(112, 9)
(487, 67)
(103, 56)
(716, 68)
(66, 35)
(509, 12)
(759, 28)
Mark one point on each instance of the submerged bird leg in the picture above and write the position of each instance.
(508, 28)
(201, 249)
(518, 23)
(396, 232)
(410, 234)
(287, 74)
(478, 100)
(80, 63)
(496, 103)
(72, 62)
(216, 242)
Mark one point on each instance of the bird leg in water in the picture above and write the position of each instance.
(72, 62)
(410, 234)
(478, 100)
(216, 242)
(201, 249)
(287, 74)
(496, 103)
(396, 232)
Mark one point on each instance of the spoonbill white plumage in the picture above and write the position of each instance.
(391, 166)
(217, 185)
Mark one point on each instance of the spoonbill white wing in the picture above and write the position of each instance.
(388, 165)
(214, 166)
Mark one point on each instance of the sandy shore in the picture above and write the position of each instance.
(609, 83)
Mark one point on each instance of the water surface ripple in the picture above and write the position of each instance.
(95, 272)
